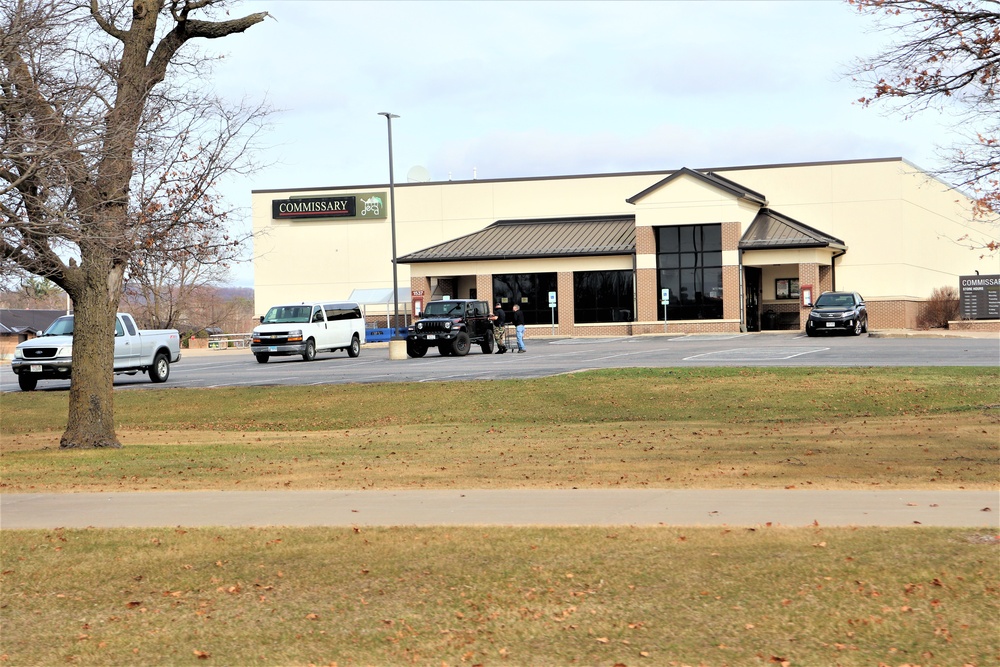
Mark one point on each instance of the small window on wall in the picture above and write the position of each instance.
(786, 288)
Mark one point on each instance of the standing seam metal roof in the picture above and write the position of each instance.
(771, 230)
(519, 239)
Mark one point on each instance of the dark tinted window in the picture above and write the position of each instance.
(530, 291)
(689, 263)
(603, 296)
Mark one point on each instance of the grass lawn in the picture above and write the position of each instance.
(515, 596)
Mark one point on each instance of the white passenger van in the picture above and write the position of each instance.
(307, 328)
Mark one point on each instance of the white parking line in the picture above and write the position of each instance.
(755, 354)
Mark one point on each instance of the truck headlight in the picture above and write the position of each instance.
(64, 351)
(18, 353)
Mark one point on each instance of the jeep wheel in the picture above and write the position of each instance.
(310, 352)
(27, 382)
(487, 345)
(355, 348)
(460, 346)
(416, 348)
(445, 349)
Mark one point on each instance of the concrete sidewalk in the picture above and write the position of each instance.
(584, 507)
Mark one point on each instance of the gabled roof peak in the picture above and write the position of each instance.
(710, 178)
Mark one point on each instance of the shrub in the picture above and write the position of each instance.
(939, 309)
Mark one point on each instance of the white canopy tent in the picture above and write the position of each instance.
(379, 302)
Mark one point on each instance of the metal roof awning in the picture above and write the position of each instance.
(523, 239)
(771, 230)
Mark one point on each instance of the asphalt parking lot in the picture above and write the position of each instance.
(550, 355)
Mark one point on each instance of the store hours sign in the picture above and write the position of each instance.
(979, 297)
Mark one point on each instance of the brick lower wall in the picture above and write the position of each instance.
(975, 325)
(893, 314)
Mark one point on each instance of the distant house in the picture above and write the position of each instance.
(18, 325)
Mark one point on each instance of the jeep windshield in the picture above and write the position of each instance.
(444, 309)
(288, 315)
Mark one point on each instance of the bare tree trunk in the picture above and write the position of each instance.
(91, 421)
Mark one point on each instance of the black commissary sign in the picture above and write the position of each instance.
(362, 205)
(979, 297)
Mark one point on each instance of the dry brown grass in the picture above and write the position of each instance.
(940, 451)
(500, 596)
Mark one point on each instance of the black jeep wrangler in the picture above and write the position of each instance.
(451, 326)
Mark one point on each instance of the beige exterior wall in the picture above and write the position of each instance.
(901, 229)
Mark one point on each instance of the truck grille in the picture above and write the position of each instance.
(39, 352)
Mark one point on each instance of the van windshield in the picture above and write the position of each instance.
(288, 315)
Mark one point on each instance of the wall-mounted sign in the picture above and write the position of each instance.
(979, 297)
(367, 205)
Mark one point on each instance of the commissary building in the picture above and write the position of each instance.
(697, 250)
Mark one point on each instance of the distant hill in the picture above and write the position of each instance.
(228, 293)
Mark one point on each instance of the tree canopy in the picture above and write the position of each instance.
(945, 54)
(111, 147)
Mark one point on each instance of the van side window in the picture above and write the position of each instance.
(317, 314)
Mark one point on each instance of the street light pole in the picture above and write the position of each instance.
(392, 224)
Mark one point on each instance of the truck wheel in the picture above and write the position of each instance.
(355, 348)
(487, 345)
(460, 346)
(160, 370)
(310, 352)
(262, 357)
(416, 348)
(27, 382)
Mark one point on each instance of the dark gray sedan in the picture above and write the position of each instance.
(838, 311)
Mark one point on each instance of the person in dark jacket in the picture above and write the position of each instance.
(499, 319)
(519, 327)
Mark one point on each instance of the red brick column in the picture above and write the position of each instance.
(808, 275)
(565, 303)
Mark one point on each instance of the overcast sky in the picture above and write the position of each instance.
(513, 89)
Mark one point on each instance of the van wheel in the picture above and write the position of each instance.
(310, 352)
(460, 346)
(416, 348)
(160, 370)
(355, 348)
(27, 382)
(262, 357)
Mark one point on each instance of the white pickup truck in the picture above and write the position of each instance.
(50, 356)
